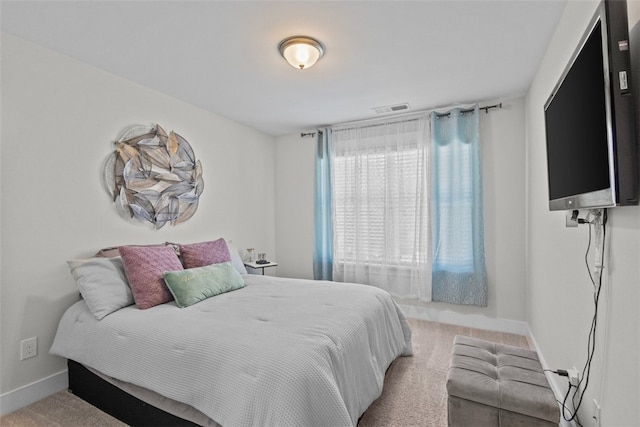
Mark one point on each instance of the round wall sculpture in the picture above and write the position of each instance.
(153, 176)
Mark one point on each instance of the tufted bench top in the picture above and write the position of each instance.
(501, 376)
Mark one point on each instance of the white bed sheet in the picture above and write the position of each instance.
(280, 352)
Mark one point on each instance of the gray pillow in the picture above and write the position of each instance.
(236, 261)
(102, 283)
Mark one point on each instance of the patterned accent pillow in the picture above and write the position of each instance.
(196, 284)
(206, 253)
(144, 266)
(113, 251)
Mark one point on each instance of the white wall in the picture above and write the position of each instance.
(59, 119)
(559, 292)
(294, 200)
(502, 135)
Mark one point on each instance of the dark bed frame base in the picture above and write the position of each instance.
(115, 402)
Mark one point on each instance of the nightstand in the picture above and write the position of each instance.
(256, 266)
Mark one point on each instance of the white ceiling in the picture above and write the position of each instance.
(222, 55)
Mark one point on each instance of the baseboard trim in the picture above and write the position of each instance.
(468, 320)
(31, 393)
(552, 378)
(498, 325)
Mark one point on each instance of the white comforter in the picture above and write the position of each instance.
(278, 352)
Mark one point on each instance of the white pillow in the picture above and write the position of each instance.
(102, 283)
(236, 261)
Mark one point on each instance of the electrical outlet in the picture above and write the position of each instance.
(571, 219)
(574, 376)
(28, 348)
(597, 422)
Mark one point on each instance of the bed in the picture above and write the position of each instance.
(276, 352)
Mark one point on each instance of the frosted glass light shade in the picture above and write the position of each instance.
(301, 52)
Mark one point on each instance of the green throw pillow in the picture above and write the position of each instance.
(196, 284)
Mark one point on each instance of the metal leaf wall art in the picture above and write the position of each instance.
(153, 176)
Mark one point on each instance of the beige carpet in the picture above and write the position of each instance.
(62, 409)
(414, 391)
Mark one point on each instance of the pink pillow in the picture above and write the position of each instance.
(205, 253)
(144, 266)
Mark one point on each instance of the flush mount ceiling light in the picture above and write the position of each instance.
(301, 51)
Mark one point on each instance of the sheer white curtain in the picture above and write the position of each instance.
(380, 205)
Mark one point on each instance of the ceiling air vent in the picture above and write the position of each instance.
(391, 108)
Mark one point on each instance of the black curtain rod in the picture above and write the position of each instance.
(311, 134)
(438, 115)
(470, 110)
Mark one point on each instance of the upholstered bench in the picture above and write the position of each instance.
(492, 384)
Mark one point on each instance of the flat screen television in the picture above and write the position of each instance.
(592, 153)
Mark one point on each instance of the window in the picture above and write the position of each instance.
(380, 212)
(376, 207)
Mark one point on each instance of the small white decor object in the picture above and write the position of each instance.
(153, 176)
